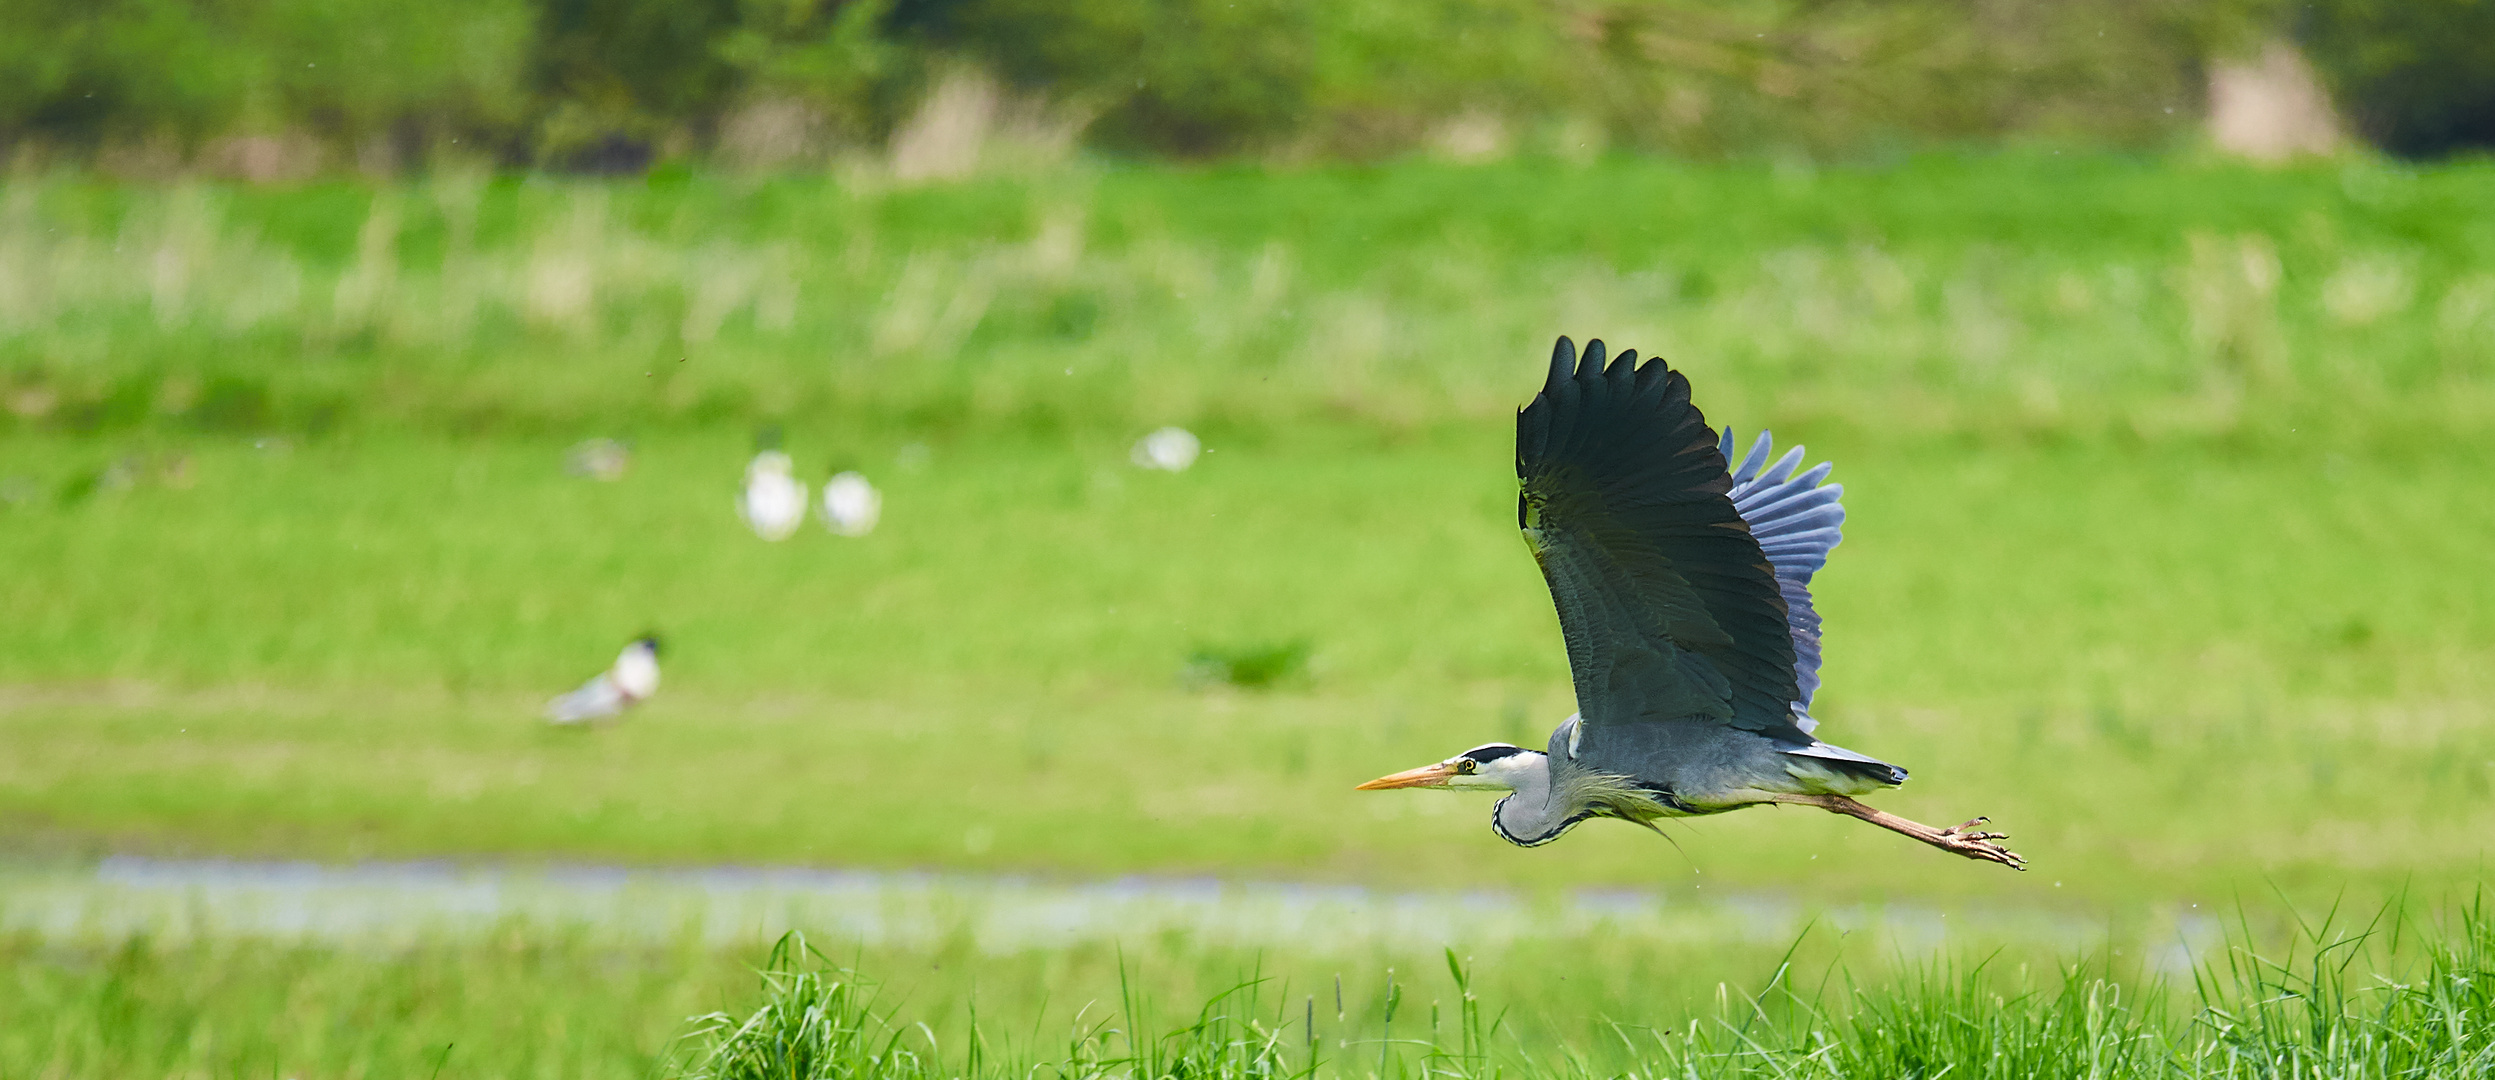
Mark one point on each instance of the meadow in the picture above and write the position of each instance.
(2166, 547)
(2384, 992)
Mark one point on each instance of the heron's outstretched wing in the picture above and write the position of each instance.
(1796, 519)
(1671, 609)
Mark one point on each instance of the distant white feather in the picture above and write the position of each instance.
(774, 502)
(1170, 449)
(851, 506)
(631, 681)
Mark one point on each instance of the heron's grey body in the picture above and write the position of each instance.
(1682, 583)
(1639, 772)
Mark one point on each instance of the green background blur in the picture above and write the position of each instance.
(281, 86)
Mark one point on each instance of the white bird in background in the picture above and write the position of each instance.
(774, 502)
(1170, 449)
(631, 681)
(851, 506)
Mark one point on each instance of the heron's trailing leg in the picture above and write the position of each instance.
(1967, 839)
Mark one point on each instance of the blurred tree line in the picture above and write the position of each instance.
(617, 84)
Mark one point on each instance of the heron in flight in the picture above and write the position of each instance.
(1683, 588)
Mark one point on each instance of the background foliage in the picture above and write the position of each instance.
(2418, 78)
(618, 84)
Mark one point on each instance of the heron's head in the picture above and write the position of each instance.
(1494, 767)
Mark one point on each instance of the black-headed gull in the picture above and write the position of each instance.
(774, 501)
(851, 505)
(1170, 449)
(631, 681)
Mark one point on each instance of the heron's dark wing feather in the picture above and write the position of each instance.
(1796, 520)
(1671, 609)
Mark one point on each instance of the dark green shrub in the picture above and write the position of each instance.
(2416, 76)
(1252, 666)
(79, 74)
(613, 74)
(232, 403)
(76, 72)
(608, 85)
(412, 73)
(1190, 76)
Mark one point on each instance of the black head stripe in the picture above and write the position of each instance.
(1492, 752)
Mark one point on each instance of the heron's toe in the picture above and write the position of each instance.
(1975, 843)
(1969, 831)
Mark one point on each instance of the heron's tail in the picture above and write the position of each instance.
(1835, 770)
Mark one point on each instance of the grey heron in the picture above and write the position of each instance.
(1683, 588)
(632, 679)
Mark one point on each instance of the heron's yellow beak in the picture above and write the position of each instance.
(1426, 776)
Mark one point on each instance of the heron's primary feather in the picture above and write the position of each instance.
(1671, 609)
(1796, 519)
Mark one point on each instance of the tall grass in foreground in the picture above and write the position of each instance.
(2380, 1000)
(2393, 998)
(511, 1005)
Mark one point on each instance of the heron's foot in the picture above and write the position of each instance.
(1973, 842)
(1970, 840)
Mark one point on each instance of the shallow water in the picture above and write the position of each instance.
(384, 902)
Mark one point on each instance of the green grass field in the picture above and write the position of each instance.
(2370, 993)
(2167, 543)
(2172, 674)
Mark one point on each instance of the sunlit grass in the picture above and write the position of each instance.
(2379, 999)
(2397, 991)
(1989, 293)
(2166, 546)
(521, 1006)
(2172, 670)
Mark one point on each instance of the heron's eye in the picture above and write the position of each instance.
(1467, 766)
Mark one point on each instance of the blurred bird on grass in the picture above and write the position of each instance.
(1170, 449)
(631, 681)
(851, 505)
(774, 501)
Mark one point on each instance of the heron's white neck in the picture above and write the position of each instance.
(1525, 817)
